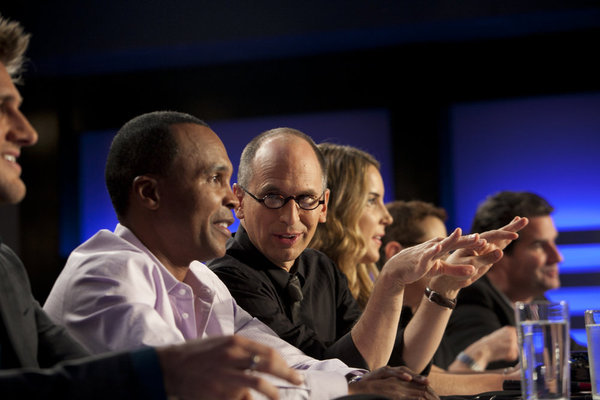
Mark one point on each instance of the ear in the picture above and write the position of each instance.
(323, 210)
(391, 248)
(239, 193)
(145, 192)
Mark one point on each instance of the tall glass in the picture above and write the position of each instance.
(543, 332)
(592, 327)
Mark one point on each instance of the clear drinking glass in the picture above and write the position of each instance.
(592, 327)
(543, 332)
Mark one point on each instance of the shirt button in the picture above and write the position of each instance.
(185, 315)
(182, 291)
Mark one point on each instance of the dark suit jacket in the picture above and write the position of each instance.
(42, 350)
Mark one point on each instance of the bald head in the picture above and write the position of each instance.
(281, 162)
(278, 136)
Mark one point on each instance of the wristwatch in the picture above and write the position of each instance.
(469, 361)
(438, 299)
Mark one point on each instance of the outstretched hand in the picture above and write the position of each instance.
(427, 259)
(481, 258)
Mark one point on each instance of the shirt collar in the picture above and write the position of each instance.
(242, 248)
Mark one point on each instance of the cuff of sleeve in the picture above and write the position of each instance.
(147, 368)
(325, 385)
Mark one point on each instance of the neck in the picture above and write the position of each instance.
(512, 294)
(154, 242)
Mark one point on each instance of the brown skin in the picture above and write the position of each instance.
(397, 383)
(184, 216)
(217, 368)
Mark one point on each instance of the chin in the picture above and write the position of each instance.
(369, 259)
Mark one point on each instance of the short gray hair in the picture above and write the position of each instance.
(13, 43)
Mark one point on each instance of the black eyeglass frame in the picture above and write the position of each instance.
(319, 202)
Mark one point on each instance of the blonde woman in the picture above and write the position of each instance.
(356, 219)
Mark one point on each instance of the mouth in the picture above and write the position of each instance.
(9, 158)
(378, 239)
(223, 226)
(287, 238)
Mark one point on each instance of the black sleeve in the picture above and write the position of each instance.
(115, 376)
(262, 302)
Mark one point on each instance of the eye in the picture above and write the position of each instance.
(217, 178)
(371, 201)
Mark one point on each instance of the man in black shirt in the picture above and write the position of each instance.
(299, 292)
(529, 268)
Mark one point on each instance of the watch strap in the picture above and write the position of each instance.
(438, 299)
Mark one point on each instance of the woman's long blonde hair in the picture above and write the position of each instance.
(340, 237)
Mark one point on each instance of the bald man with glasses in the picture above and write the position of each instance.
(299, 292)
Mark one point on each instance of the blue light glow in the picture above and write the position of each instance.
(367, 129)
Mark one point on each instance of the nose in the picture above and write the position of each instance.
(289, 213)
(387, 217)
(230, 200)
(20, 130)
(554, 255)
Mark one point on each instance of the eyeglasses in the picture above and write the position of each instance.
(275, 201)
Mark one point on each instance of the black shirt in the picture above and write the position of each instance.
(327, 310)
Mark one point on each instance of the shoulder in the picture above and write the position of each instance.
(10, 262)
(316, 263)
(236, 274)
(12, 271)
(106, 253)
(231, 265)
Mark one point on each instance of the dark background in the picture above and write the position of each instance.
(96, 64)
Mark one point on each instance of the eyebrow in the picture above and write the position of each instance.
(11, 97)
(214, 168)
(270, 188)
(219, 168)
(6, 97)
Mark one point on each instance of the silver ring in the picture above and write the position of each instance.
(254, 360)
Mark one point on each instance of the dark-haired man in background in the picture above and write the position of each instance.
(528, 269)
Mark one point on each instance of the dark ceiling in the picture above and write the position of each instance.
(88, 37)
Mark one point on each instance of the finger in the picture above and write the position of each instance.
(411, 390)
(269, 361)
(253, 381)
(457, 270)
(402, 373)
(498, 236)
(516, 224)
(463, 242)
(273, 364)
(488, 259)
